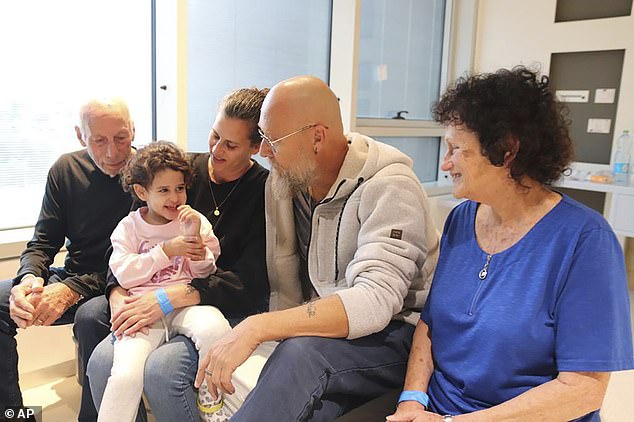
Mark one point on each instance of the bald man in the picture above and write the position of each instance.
(83, 202)
(351, 251)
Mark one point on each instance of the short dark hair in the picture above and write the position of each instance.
(512, 105)
(148, 161)
(245, 104)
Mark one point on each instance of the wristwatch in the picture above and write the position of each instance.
(447, 418)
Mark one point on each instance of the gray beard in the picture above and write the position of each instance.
(290, 183)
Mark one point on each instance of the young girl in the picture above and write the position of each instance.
(161, 244)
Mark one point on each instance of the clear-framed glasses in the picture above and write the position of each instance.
(272, 143)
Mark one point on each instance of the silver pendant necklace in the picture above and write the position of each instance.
(485, 270)
(217, 206)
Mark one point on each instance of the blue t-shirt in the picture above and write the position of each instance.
(555, 301)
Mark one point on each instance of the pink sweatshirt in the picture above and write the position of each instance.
(138, 260)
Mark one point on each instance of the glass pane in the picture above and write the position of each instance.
(400, 57)
(55, 55)
(422, 150)
(243, 43)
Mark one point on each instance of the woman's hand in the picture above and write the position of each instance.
(412, 411)
(117, 299)
(136, 313)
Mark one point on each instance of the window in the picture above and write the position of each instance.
(425, 149)
(400, 57)
(402, 67)
(248, 43)
(55, 56)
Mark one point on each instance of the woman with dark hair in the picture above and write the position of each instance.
(528, 311)
(228, 189)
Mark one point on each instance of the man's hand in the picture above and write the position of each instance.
(25, 297)
(225, 356)
(56, 299)
(191, 247)
(412, 411)
(135, 313)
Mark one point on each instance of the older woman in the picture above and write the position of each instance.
(528, 312)
(228, 189)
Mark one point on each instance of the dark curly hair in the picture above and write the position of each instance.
(245, 104)
(511, 105)
(150, 160)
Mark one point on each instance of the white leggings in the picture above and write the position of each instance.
(202, 324)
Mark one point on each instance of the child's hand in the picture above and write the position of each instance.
(190, 221)
(191, 247)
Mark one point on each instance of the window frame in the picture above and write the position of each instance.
(457, 58)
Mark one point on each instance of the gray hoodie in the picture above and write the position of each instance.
(373, 241)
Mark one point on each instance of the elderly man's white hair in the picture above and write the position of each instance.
(96, 107)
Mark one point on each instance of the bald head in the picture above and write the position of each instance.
(304, 107)
(301, 101)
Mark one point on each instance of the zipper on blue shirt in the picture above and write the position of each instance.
(482, 275)
(485, 270)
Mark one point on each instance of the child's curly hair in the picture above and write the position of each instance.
(150, 160)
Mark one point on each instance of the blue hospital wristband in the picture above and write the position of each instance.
(163, 301)
(414, 395)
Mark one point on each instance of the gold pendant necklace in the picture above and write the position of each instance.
(217, 206)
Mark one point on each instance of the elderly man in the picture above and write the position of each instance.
(83, 202)
(350, 236)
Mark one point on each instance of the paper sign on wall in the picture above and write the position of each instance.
(382, 72)
(604, 96)
(599, 125)
(572, 96)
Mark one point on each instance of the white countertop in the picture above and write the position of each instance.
(595, 187)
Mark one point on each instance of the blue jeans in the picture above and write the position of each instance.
(319, 379)
(89, 329)
(168, 382)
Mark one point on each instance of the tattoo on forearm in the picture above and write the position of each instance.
(189, 289)
(311, 309)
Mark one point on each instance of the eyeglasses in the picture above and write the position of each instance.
(272, 143)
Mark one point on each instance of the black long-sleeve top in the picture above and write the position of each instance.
(240, 285)
(82, 205)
